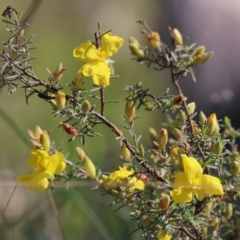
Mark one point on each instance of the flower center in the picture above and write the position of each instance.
(102, 55)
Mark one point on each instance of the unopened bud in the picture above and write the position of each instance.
(86, 106)
(80, 153)
(227, 121)
(165, 201)
(136, 50)
(235, 156)
(178, 134)
(235, 168)
(182, 116)
(89, 167)
(153, 135)
(61, 99)
(163, 139)
(45, 141)
(130, 110)
(178, 100)
(202, 117)
(212, 125)
(177, 36)
(154, 39)
(229, 211)
(217, 148)
(202, 58)
(205, 232)
(175, 156)
(69, 129)
(199, 50)
(134, 41)
(78, 81)
(191, 108)
(141, 151)
(57, 74)
(215, 223)
(125, 152)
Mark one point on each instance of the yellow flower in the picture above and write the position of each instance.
(163, 235)
(97, 59)
(192, 181)
(122, 178)
(45, 167)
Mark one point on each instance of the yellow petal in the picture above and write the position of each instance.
(181, 180)
(211, 185)
(163, 235)
(110, 44)
(36, 180)
(191, 167)
(181, 195)
(139, 185)
(87, 52)
(37, 156)
(57, 164)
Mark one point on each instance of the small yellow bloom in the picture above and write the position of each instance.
(163, 235)
(44, 167)
(192, 181)
(96, 59)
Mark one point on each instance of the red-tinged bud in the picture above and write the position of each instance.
(130, 110)
(45, 141)
(212, 125)
(144, 177)
(177, 36)
(202, 58)
(163, 139)
(178, 100)
(89, 167)
(80, 153)
(154, 40)
(165, 201)
(86, 106)
(125, 153)
(61, 99)
(199, 50)
(69, 129)
(202, 117)
(178, 134)
(229, 211)
(191, 108)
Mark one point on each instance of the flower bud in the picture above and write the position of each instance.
(78, 80)
(202, 58)
(89, 167)
(227, 121)
(125, 153)
(80, 153)
(153, 135)
(178, 100)
(182, 116)
(178, 134)
(215, 223)
(235, 156)
(165, 201)
(136, 50)
(141, 151)
(212, 125)
(130, 110)
(175, 156)
(235, 168)
(199, 50)
(217, 148)
(61, 99)
(191, 108)
(163, 139)
(45, 141)
(57, 74)
(69, 129)
(154, 39)
(86, 106)
(134, 41)
(229, 211)
(163, 234)
(177, 36)
(205, 232)
(202, 117)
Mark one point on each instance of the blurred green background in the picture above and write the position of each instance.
(60, 26)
